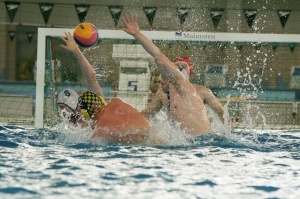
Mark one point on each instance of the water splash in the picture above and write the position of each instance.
(165, 132)
(73, 133)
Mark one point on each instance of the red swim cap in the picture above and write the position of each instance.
(186, 60)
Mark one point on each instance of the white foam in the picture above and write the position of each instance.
(73, 133)
(165, 132)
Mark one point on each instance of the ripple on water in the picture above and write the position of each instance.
(8, 144)
(265, 188)
(142, 176)
(110, 176)
(17, 190)
(295, 155)
(63, 183)
(206, 182)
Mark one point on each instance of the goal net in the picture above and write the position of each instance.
(17, 103)
(256, 76)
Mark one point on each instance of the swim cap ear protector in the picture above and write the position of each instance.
(90, 104)
(69, 98)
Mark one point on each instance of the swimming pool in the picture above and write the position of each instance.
(50, 163)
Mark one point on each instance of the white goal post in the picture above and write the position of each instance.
(153, 35)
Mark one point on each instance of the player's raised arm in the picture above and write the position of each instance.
(90, 77)
(167, 68)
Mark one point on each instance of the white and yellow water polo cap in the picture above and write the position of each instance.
(90, 104)
(69, 98)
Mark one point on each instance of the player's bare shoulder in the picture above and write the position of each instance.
(203, 92)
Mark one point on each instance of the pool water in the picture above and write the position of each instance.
(54, 163)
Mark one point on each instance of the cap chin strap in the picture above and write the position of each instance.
(85, 114)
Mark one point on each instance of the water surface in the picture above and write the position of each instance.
(53, 163)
